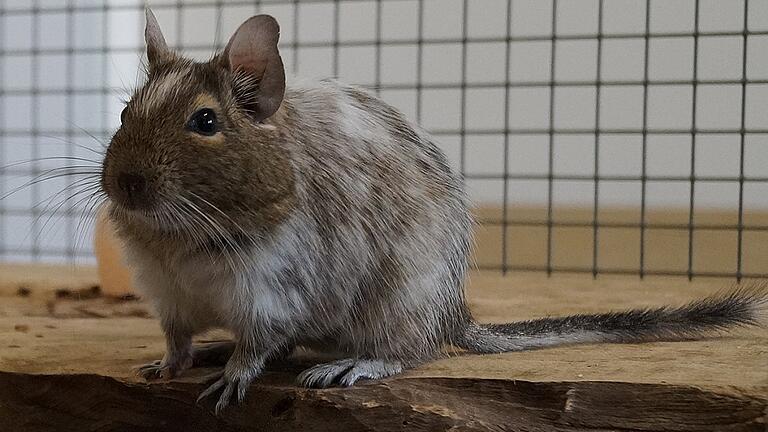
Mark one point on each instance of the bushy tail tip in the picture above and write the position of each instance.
(747, 306)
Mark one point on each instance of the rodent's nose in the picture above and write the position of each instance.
(132, 184)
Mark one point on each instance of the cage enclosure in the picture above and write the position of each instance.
(595, 138)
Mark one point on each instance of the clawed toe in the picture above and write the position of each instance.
(324, 375)
(154, 370)
(230, 386)
(347, 372)
(212, 388)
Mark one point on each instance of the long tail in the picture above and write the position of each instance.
(744, 307)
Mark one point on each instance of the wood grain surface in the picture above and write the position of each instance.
(67, 353)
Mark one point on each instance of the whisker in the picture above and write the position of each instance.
(238, 249)
(205, 201)
(78, 188)
(88, 133)
(96, 164)
(55, 212)
(41, 232)
(73, 168)
(118, 74)
(96, 198)
(83, 182)
(68, 142)
(198, 232)
(193, 232)
(221, 233)
(86, 183)
(40, 178)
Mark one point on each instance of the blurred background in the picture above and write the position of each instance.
(621, 136)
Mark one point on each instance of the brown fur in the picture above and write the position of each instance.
(254, 181)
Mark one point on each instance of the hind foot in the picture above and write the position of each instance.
(165, 369)
(172, 365)
(346, 372)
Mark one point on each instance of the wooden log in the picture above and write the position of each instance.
(66, 355)
(90, 402)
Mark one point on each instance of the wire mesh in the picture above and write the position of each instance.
(631, 104)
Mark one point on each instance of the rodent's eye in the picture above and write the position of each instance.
(203, 122)
(122, 114)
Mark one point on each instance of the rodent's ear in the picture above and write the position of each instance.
(252, 52)
(157, 49)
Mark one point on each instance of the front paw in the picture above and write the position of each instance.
(233, 383)
(163, 369)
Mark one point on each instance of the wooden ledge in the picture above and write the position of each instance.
(87, 402)
(66, 359)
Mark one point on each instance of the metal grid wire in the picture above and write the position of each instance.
(453, 32)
